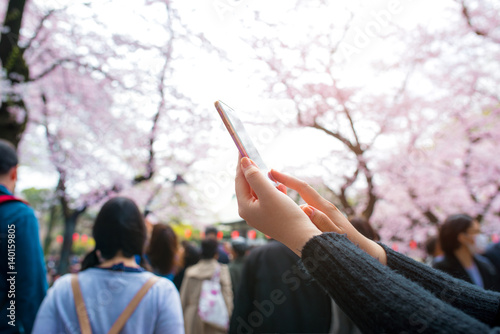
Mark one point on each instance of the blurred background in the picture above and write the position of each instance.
(389, 109)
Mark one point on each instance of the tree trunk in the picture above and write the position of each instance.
(52, 221)
(11, 125)
(69, 229)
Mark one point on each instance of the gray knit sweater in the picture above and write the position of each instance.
(403, 297)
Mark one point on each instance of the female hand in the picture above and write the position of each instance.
(327, 217)
(269, 210)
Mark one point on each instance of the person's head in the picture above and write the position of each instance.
(191, 254)
(211, 232)
(239, 247)
(162, 248)
(364, 228)
(432, 246)
(458, 231)
(209, 249)
(118, 229)
(8, 165)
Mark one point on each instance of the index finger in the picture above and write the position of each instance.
(305, 191)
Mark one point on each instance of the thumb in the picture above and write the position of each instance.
(321, 220)
(255, 178)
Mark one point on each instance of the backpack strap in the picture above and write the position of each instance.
(10, 198)
(122, 319)
(81, 310)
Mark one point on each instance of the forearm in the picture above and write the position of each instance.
(376, 298)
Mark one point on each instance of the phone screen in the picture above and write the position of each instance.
(240, 137)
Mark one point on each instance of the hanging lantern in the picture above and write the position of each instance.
(495, 238)
(235, 234)
(395, 247)
(59, 239)
(413, 244)
(252, 234)
(76, 236)
(85, 238)
(220, 234)
(187, 233)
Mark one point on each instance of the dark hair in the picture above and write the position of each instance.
(364, 228)
(8, 156)
(431, 245)
(162, 249)
(211, 230)
(450, 229)
(191, 254)
(239, 246)
(209, 248)
(119, 226)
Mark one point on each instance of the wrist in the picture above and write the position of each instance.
(300, 237)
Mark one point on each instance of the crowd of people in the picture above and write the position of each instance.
(318, 273)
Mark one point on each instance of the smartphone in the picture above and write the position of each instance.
(240, 137)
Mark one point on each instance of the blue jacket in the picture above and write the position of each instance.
(23, 277)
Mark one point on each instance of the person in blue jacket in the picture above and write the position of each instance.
(23, 282)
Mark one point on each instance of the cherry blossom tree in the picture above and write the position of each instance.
(413, 130)
(447, 165)
(307, 68)
(109, 121)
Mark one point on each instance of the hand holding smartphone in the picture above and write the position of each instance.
(240, 137)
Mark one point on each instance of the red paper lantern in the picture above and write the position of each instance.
(220, 234)
(187, 233)
(85, 238)
(395, 247)
(235, 234)
(76, 236)
(495, 238)
(59, 239)
(413, 244)
(252, 234)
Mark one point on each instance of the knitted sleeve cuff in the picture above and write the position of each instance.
(471, 299)
(375, 297)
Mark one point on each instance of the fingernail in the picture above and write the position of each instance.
(246, 162)
(270, 175)
(308, 211)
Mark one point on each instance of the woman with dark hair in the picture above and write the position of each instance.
(112, 292)
(460, 240)
(162, 250)
(190, 255)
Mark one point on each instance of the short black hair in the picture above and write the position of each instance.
(240, 246)
(191, 253)
(211, 230)
(209, 248)
(450, 229)
(431, 245)
(8, 156)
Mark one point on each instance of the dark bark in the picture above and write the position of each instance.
(53, 217)
(17, 71)
(69, 228)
